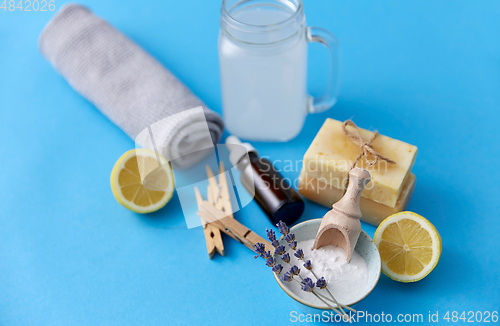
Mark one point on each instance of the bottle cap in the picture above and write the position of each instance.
(237, 149)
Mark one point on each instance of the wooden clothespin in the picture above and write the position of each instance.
(216, 197)
(217, 215)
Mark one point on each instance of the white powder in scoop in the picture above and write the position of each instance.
(346, 281)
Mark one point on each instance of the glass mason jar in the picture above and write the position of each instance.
(263, 68)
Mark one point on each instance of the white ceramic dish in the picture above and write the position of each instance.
(365, 247)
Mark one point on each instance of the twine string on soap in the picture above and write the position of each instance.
(365, 146)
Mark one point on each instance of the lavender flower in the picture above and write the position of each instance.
(260, 249)
(271, 235)
(307, 285)
(280, 250)
(299, 254)
(270, 262)
(283, 228)
(289, 237)
(321, 283)
(287, 277)
(277, 269)
(286, 258)
(294, 270)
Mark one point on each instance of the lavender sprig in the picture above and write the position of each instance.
(280, 250)
(294, 270)
(277, 269)
(270, 262)
(307, 285)
(321, 283)
(299, 254)
(284, 229)
(287, 277)
(324, 285)
(343, 314)
(290, 237)
(271, 235)
(260, 249)
(286, 258)
(321, 297)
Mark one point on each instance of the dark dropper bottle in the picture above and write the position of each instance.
(260, 178)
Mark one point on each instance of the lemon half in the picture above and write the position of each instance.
(142, 181)
(409, 246)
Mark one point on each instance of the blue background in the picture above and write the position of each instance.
(426, 72)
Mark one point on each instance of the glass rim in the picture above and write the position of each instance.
(226, 14)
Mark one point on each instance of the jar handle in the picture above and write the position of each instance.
(329, 98)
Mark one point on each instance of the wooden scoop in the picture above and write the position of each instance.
(341, 226)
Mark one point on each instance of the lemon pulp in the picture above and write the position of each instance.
(409, 246)
(142, 181)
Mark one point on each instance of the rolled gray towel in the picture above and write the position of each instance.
(128, 85)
